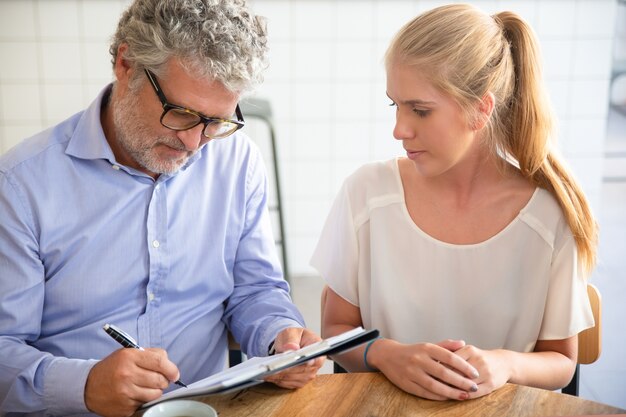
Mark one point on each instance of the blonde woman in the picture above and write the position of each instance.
(471, 254)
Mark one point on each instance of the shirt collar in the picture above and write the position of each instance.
(89, 142)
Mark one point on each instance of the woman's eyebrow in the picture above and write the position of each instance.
(414, 101)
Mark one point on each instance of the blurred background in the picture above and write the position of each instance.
(326, 90)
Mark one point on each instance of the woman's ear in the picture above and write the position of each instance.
(484, 110)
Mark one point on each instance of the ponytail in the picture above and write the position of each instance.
(528, 127)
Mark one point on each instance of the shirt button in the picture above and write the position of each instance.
(150, 296)
(115, 167)
(156, 243)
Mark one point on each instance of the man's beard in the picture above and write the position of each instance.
(138, 140)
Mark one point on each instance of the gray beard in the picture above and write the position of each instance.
(139, 142)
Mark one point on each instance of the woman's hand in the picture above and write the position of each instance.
(427, 370)
(550, 366)
(492, 367)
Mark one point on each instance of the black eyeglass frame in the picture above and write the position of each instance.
(167, 106)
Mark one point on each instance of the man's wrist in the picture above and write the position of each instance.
(271, 333)
(64, 386)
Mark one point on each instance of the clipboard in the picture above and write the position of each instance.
(252, 371)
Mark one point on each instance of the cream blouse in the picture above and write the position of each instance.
(522, 285)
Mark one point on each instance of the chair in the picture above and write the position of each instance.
(589, 340)
(235, 355)
(260, 109)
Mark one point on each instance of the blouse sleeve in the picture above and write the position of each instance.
(337, 252)
(567, 310)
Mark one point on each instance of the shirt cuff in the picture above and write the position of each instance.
(64, 387)
(269, 334)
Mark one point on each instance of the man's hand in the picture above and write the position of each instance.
(126, 379)
(295, 338)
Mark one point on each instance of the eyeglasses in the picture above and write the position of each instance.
(181, 118)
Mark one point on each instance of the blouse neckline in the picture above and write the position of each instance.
(398, 180)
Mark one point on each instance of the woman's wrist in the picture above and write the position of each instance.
(508, 363)
(365, 353)
(374, 349)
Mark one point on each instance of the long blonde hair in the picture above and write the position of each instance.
(467, 54)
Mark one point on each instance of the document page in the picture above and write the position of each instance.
(253, 370)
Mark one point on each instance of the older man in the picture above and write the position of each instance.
(147, 210)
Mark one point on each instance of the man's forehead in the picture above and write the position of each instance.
(184, 87)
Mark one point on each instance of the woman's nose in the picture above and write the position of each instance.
(403, 129)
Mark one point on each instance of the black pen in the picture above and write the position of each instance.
(127, 341)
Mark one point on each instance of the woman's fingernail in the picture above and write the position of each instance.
(474, 388)
(463, 396)
(475, 374)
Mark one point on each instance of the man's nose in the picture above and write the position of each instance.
(192, 138)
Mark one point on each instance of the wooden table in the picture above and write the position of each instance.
(372, 395)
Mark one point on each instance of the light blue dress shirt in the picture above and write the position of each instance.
(175, 261)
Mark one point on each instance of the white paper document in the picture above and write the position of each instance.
(251, 371)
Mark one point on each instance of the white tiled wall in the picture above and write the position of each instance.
(326, 83)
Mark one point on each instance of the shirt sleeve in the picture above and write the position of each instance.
(567, 311)
(336, 256)
(260, 306)
(30, 380)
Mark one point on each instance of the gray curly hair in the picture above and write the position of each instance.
(217, 39)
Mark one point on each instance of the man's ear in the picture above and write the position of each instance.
(484, 110)
(122, 68)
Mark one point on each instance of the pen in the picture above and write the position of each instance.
(127, 341)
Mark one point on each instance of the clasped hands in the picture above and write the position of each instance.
(440, 371)
(120, 383)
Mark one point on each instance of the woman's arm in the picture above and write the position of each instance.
(550, 366)
(428, 370)
(339, 316)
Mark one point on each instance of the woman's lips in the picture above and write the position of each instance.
(413, 155)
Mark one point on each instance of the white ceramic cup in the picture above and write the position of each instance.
(181, 408)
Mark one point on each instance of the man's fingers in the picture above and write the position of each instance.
(288, 339)
(294, 338)
(297, 376)
(288, 346)
(151, 379)
(117, 385)
(156, 360)
(308, 338)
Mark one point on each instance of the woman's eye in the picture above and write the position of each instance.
(392, 104)
(421, 113)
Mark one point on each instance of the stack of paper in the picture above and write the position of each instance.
(252, 371)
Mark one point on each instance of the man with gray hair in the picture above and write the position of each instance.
(147, 210)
